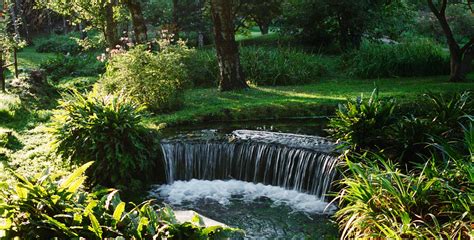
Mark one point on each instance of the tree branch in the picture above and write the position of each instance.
(433, 8)
(467, 45)
(444, 3)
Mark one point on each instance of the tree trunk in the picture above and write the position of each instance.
(2, 74)
(461, 64)
(461, 58)
(23, 21)
(82, 31)
(111, 35)
(263, 28)
(65, 30)
(231, 74)
(139, 26)
(16, 28)
(176, 24)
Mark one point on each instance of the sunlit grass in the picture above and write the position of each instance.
(293, 101)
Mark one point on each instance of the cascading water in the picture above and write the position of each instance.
(297, 162)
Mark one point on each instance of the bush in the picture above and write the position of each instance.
(63, 44)
(374, 125)
(432, 201)
(363, 124)
(156, 80)
(262, 66)
(106, 130)
(9, 106)
(49, 206)
(420, 58)
(72, 66)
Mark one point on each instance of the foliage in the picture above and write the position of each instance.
(63, 44)
(460, 19)
(72, 66)
(156, 80)
(375, 125)
(363, 124)
(432, 201)
(70, 43)
(262, 13)
(447, 110)
(9, 106)
(262, 66)
(108, 131)
(323, 22)
(48, 206)
(420, 58)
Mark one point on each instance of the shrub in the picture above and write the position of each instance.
(363, 124)
(420, 58)
(374, 125)
(49, 206)
(9, 106)
(156, 80)
(63, 44)
(432, 201)
(108, 131)
(262, 66)
(72, 66)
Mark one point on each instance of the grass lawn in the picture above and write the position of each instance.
(293, 101)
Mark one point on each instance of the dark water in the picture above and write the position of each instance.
(261, 220)
(308, 126)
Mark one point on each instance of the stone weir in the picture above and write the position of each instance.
(298, 162)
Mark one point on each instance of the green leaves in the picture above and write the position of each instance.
(47, 207)
(156, 80)
(363, 124)
(435, 199)
(107, 130)
(117, 215)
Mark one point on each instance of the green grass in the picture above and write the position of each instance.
(297, 101)
(28, 58)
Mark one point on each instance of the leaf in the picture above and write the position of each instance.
(59, 225)
(119, 211)
(76, 174)
(21, 192)
(5, 223)
(55, 199)
(197, 220)
(95, 226)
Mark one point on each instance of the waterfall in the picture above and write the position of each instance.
(296, 162)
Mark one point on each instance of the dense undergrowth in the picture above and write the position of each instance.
(406, 174)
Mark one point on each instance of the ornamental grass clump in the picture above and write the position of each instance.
(434, 200)
(107, 130)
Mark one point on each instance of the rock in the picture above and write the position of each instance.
(187, 216)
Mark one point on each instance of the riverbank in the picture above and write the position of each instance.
(316, 99)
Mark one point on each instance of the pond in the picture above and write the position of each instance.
(262, 211)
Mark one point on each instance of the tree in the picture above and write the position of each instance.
(231, 73)
(262, 12)
(138, 21)
(100, 13)
(461, 57)
(345, 21)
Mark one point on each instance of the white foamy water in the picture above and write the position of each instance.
(224, 191)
